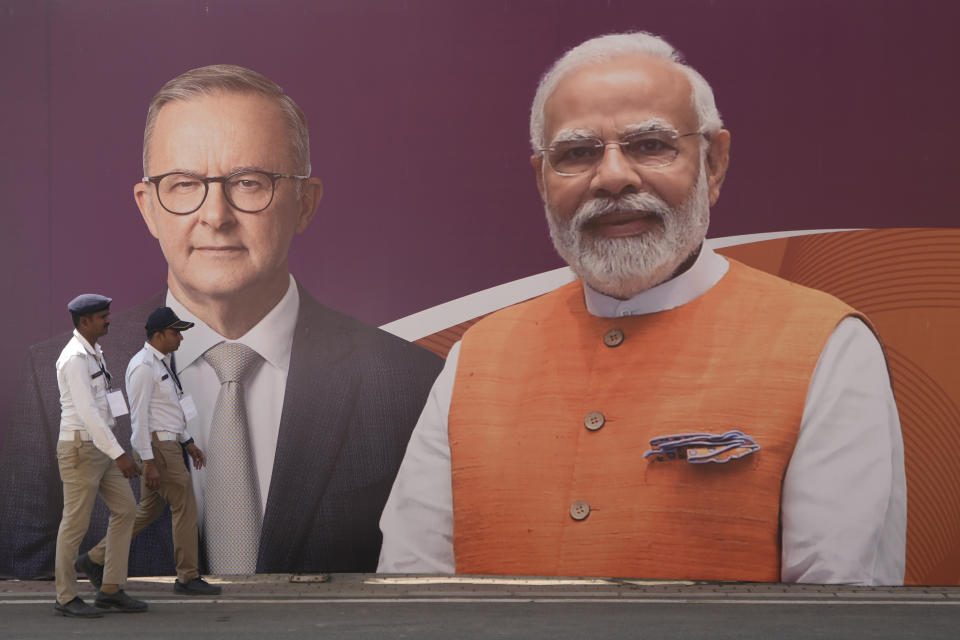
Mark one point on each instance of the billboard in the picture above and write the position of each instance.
(418, 116)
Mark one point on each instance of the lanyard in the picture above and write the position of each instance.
(103, 370)
(173, 375)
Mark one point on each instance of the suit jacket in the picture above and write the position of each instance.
(353, 396)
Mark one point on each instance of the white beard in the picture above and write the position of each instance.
(623, 267)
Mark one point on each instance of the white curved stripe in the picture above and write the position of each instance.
(443, 316)
(732, 241)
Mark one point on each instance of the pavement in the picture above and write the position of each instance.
(381, 606)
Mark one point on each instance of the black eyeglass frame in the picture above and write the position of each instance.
(223, 181)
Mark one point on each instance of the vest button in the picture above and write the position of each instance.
(579, 510)
(613, 338)
(594, 421)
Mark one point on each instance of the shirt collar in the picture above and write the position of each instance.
(271, 338)
(94, 350)
(153, 351)
(707, 270)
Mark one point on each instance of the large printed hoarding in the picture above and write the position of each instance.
(418, 111)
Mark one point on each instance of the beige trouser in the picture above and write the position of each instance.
(177, 491)
(86, 471)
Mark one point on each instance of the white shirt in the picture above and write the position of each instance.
(154, 400)
(843, 500)
(83, 387)
(272, 339)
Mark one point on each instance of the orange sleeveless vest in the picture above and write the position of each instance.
(527, 468)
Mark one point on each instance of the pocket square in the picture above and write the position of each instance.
(699, 448)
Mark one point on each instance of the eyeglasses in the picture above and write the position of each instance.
(248, 191)
(653, 148)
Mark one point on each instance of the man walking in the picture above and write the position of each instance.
(86, 452)
(159, 410)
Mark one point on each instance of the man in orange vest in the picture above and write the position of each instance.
(671, 414)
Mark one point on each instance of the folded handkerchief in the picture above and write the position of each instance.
(698, 448)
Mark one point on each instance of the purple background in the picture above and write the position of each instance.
(843, 114)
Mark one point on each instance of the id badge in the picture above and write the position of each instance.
(189, 408)
(118, 406)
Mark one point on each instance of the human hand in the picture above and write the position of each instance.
(127, 466)
(151, 475)
(196, 454)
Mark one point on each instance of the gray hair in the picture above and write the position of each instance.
(608, 47)
(232, 79)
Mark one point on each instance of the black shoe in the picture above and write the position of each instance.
(196, 587)
(120, 601)
(91, 569)
(76, 608)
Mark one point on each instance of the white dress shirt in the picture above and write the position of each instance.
(82, 378)
(272, 339)
(843, 500)
(154, 400)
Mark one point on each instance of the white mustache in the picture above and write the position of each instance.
(632, 202)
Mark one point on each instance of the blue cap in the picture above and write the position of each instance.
(165, 318)
(86, 303)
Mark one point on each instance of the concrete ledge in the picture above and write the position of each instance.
(373, 586)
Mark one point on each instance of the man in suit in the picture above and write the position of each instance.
(328, 402)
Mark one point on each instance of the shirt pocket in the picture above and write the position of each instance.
(170, 388)
(98, 379)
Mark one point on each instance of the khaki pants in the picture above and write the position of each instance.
(85, 472)
(177, 491)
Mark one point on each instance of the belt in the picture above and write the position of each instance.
(73, 436)
(164, 435)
